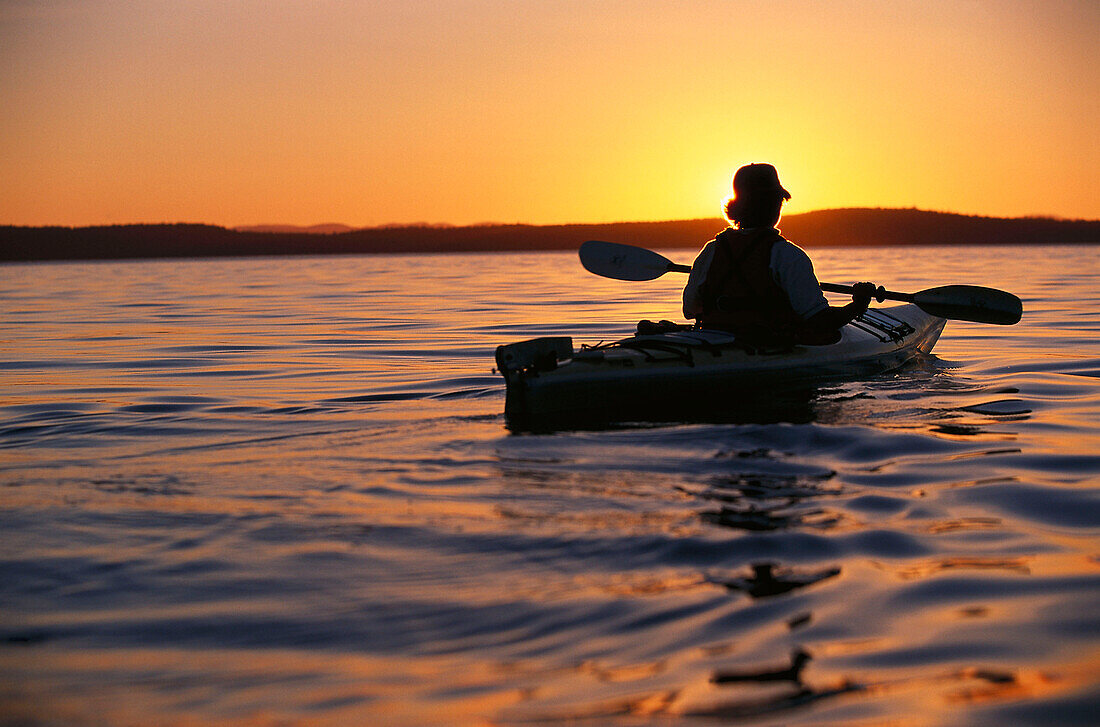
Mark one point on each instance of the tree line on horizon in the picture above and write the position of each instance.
(836, 227)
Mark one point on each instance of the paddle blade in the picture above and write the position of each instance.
(624, 262)
(971, 303)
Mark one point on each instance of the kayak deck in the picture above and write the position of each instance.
(663, 375)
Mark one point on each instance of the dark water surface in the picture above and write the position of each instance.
(280, 491)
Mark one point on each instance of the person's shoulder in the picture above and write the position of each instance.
(787, 249)
(702, 260)
(709, 246)
(728, 233)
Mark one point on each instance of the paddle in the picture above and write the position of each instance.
(957, 302)
(626, 262)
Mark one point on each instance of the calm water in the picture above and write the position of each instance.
(280, 491)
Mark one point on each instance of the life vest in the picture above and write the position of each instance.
(739, 294)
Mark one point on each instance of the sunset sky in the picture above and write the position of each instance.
(238, 112)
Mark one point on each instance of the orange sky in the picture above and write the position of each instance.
(307, 111)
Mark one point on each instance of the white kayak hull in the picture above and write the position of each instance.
(549, 383)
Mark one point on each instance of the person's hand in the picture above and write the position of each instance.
(862, 294)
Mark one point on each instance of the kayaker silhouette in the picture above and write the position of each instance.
(751, 281)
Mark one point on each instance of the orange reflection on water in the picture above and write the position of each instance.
(924, 570)
(216, 687)
(989, 685)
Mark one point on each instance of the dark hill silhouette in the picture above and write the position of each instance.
(329, 228)
(862, 226)
(812, 229)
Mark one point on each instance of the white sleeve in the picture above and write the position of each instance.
(794, 272)
(693, 307)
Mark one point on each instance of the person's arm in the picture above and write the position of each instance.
(795, 274)
(833, 317)
(693, 306)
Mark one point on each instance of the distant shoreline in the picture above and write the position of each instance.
(855, 227)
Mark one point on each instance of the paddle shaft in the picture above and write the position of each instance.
(880, 293)
(957, 302)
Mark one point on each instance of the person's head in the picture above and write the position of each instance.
(758, 197)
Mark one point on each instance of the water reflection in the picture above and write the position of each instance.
(750, 517)
(760, 501)
(769, 580)
(768, 405)
(792, 673)
(921, 571)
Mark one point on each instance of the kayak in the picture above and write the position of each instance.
(683, 373)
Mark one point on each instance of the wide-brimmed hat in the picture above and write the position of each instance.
(753, 180)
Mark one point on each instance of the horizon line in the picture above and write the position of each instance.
(450, 225)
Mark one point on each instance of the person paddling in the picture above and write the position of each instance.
(751, 281)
